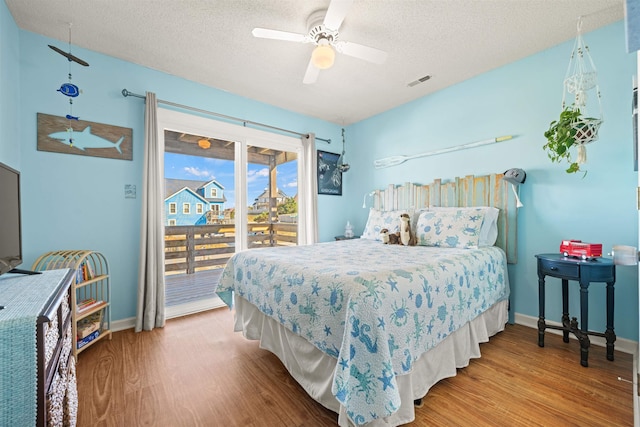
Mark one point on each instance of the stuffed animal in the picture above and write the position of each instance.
(389, 238)
(407, 237)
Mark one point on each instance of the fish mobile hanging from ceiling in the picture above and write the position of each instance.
(70, 135)
(69, 89)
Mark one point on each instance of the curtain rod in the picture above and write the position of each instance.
(126, 93)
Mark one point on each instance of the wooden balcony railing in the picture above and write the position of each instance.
(191, 248)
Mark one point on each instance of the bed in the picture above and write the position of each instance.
(367, 328)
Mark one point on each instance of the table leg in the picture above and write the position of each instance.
(583, 332)
(609, 334)
(565, 311)
(541, 324)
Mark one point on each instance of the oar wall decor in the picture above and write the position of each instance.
(396, 160)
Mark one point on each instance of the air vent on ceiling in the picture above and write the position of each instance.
(420, 80)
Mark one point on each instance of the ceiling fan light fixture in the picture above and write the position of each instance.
(204, 143)
(323, 55)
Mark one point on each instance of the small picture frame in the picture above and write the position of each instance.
(329, 176)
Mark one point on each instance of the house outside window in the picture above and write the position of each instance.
(269, 152)
(173, 208)
(186, 208)
(199, 208)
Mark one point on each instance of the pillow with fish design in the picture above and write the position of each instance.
(455, 228)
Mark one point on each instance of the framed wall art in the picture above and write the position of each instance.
(329, 176)
(87, 139)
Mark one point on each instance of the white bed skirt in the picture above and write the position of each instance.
(313, 369)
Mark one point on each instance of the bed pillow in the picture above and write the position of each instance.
(381, 219)
(489, 228)
(415, 214)
(458, 228)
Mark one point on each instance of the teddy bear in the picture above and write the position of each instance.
(389, 238)
(407, 237)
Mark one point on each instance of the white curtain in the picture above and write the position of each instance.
(309, 196)
(150, 312)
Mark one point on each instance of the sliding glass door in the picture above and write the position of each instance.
(227, 188)
(272, 192)
(199, 217)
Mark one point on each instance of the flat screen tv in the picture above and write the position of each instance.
(10, 227)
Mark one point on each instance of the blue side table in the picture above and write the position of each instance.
(584, 272)
(343, 237)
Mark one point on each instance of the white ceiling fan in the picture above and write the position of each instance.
(323, 32)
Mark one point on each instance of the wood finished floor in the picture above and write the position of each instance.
(197, 372)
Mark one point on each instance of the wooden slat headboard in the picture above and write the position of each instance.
(487, 190)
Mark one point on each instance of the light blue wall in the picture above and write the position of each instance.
(9, 90)
(522, 98)
(84, 205)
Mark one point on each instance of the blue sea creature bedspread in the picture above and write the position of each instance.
(374, 307)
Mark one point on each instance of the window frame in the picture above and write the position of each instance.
(243, 137)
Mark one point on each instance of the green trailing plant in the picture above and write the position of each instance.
(572, 128)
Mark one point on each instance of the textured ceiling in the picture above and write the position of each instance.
(210, 42)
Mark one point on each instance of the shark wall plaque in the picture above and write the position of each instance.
(85, 138)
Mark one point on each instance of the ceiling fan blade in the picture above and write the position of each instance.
(335, 14)
(311, 76)
(356, 50)
(265, 33)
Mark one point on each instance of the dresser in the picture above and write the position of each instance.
(37, 367)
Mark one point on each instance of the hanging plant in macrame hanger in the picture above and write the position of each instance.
(576, 126)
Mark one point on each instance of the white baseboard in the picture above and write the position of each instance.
(122, 324)
(621, 344)
(172, 312)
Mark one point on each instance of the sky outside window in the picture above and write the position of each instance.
(180, 166)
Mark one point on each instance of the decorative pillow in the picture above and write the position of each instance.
(379, 220)
(450, 228)
(489, 228)
(415, 214)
